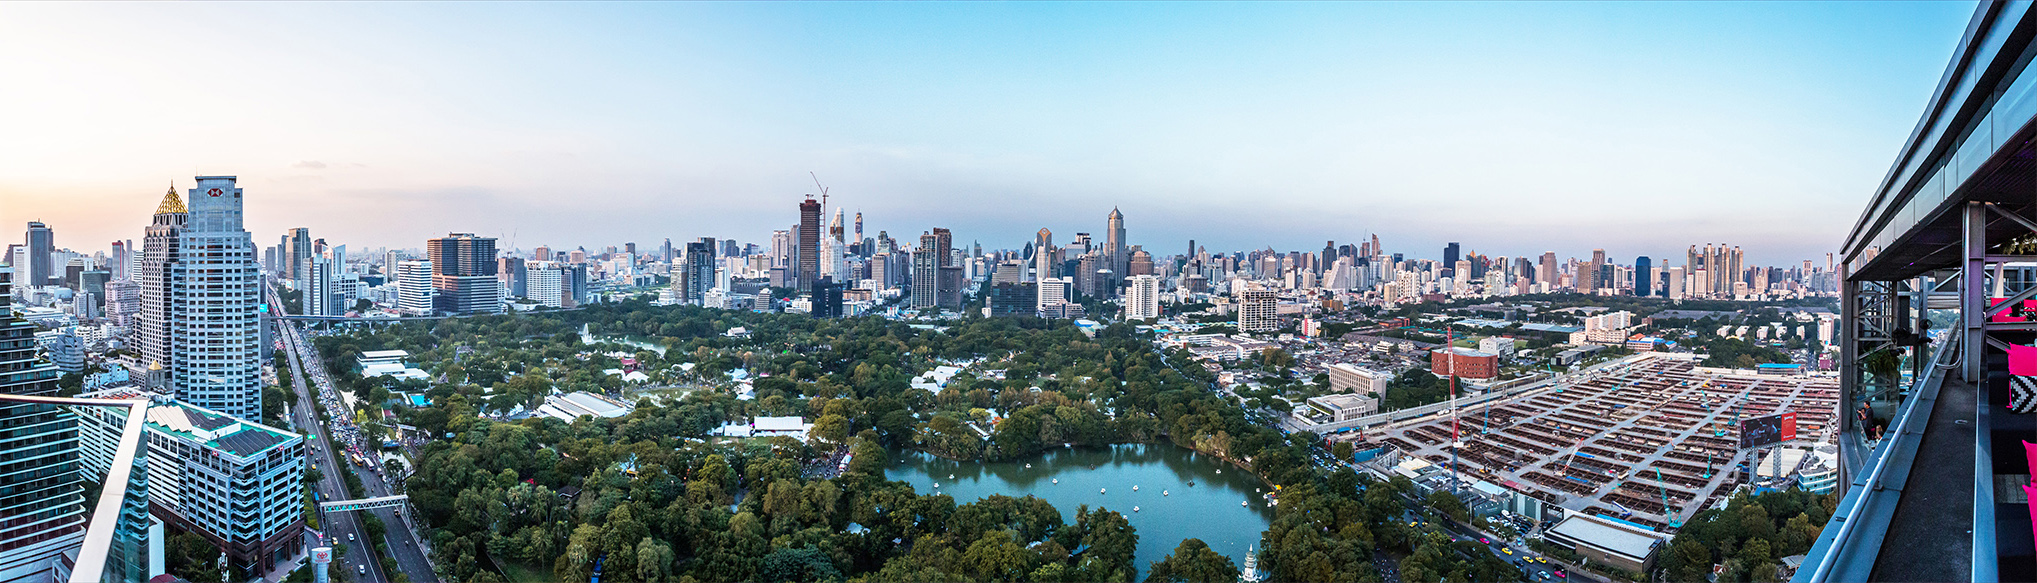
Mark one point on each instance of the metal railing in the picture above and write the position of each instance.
(1867, 490)
(113, 536)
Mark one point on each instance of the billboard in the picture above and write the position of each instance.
(1767, 431)
(321, 555)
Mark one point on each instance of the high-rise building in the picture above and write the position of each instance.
(947, 276)
(41, 242)
(545, 283)
(162, 245)
(1045, 261)
(1087, 269)
(948, 281)
(698, 277)
(1547, 272)
(123, 303)
(1114, 250)
(1141, 263)
(1013, 298)
(463, 274)
(781, 248)
(1258, 311)
(214, 344)
(299, 248)
(319, 298)
(826, 297)
(515, 278)
(831, 248)
(926, 264)
(1054, 290)
(809, 242)
(1142, 297)
(42, 504)
(1450, 261)
(414, 292)
(118, 261)
(1643, 278)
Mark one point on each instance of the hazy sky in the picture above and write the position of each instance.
(1511, 127)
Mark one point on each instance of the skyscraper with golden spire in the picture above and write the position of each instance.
(161, 248)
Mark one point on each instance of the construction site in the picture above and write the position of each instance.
(1649, 440)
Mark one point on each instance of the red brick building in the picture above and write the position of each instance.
(1468, 363)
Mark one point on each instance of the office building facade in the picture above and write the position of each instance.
(463, 274)
(1142, 297)
(698, 275)
(162, 244)
(297, 253)
(1257, 311)
(42, 504)
(414, 292)
(1013, 298)
(41, 242)
(809, 242)
(230, 480)
(215, 357)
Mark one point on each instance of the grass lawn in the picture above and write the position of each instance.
(518, 573)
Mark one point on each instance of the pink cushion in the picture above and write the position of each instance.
(2031, 493)
(2022, 360)
(2005, 316)
(2030, 456)
(2009, 315)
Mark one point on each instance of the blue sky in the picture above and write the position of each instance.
(1514, 128)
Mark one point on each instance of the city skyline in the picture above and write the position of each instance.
(1699, 127)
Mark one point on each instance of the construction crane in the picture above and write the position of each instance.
(1578, 448)
(1667, 510)
(823, 189)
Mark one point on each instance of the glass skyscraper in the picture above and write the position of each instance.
(215, 336)
(42, 503)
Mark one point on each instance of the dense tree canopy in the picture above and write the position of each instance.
(651, 496)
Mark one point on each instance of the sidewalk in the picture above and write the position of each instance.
(283, 568)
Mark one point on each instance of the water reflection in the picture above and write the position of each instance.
(1198, 502)
(587, 336)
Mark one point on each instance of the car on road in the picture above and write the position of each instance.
(1481, 540)
(350, 537)
(1506, 550)
(362, 569)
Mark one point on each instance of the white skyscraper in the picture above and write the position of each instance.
(1053, 290)
(318, 296)
(413, 286)
(1142, 297)
(545, 283)
(1044, 257)
(215, 354)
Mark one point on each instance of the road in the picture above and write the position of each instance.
(342, 526)
(400, 533)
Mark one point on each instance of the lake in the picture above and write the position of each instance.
(587, 336)
(1209, 510)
